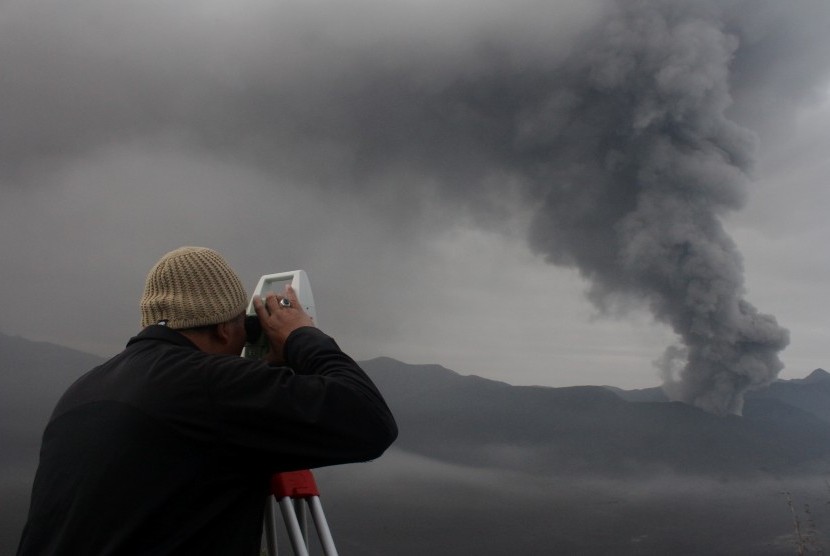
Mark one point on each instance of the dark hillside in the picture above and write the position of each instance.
(810, 394)
(473, 421)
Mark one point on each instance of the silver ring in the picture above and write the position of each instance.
(285, 302)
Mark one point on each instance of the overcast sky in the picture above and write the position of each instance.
(402, 153)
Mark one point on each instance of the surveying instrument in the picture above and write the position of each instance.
(296, 491)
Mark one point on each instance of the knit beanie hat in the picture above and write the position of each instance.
(189, 287)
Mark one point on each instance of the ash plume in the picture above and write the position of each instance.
(645, 164)
(624, 147)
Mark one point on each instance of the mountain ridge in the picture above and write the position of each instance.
(598, 430)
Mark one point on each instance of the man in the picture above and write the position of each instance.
(168, 448)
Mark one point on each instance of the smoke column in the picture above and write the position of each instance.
(641, 164)
(622, 144)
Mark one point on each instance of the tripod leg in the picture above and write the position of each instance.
(302, 517)
(293, 527)
(270, 527)
(322, 526)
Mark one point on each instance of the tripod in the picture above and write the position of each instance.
(290, 490)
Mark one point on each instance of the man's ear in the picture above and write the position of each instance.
(222, 333)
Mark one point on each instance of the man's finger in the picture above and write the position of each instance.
(260, 308)
(291, 294)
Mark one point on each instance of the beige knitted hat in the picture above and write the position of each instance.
(191, 286)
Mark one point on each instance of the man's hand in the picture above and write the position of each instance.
(279, 319)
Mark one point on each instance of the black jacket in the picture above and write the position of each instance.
(165, 449)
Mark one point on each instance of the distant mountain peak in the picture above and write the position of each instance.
(819, 375)
(388, 362)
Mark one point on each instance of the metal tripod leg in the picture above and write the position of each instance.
(322, 526)
(270, 527)
(291, 489)
(299, 541)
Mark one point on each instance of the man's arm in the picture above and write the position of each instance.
(322, 409)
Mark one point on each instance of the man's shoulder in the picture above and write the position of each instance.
(141, 374)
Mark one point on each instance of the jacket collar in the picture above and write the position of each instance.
(158, 332)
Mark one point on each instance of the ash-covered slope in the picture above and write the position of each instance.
(810, 394)
(591, 430)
